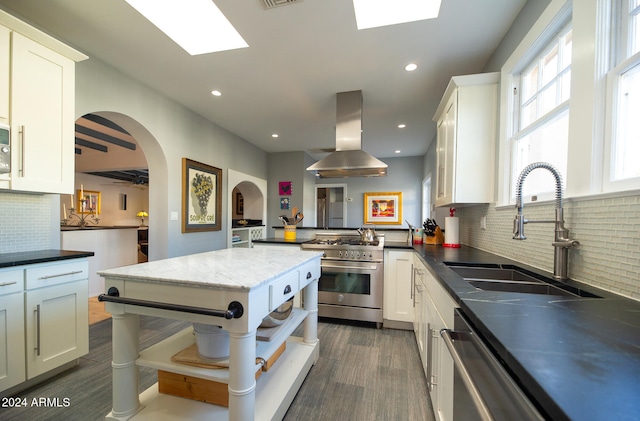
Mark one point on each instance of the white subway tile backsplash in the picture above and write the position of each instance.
(608, 230)
(26, 222)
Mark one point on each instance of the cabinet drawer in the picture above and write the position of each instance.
(44, 275)
(283, 289)
(11, 281)
(309, 272)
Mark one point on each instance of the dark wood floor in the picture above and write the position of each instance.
(363, 373)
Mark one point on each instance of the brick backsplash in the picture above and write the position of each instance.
(26, 222)
(608, 230)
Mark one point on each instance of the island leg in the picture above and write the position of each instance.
(125, 372)
(242, 375)
(311, 305)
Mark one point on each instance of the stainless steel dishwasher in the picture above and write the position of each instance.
(482, 389)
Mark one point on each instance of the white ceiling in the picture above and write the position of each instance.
(300, 55)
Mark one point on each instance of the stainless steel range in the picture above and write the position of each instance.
(351, 281)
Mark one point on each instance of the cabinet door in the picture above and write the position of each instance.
(11, 340)
(42, 118)
(398, 286)
(446, 138)
(57, 326)
(4, 74)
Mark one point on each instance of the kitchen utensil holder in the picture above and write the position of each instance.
(290, 232)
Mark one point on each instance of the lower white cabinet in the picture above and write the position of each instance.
(45, 323)
(398, 287)
(420, 315)
(57, 326)
(12, 356)
(244, 237)
(434, 311)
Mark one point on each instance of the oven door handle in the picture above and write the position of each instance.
(372, 267)
(478, 401)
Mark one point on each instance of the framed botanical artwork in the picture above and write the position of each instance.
(383, 208)
(284, 188)
(201, 197)
(88, 202)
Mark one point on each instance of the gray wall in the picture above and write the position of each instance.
(404, 175)
(166, 132)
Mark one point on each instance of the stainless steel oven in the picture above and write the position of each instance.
(352, 276)
(482, 388)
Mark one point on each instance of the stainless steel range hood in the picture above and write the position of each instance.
(349, 160)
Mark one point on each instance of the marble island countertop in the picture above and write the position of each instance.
(231, 269)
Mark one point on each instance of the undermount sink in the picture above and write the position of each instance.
(513, 279)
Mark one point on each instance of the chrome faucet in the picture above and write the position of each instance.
(562, 243)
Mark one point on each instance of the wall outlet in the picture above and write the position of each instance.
(483, 222)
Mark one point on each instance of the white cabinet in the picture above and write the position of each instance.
(398, 288)
(46, 317)
(244, 237)
(12, 356)
(420, 315)
(5, 53)
(467, 119)
(41, 107)
(56, 315)
(439, 312)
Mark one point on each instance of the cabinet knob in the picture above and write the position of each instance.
(287, 289)
(309, 275)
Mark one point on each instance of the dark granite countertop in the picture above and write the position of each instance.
(578, 358)
(280, 241)
(39, 256)
(99, 227)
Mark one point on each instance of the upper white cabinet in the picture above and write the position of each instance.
(41, 108)
(467, 120)
(5, 53)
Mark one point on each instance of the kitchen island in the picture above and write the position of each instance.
(232, 288)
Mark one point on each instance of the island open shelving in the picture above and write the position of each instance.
(180, 288)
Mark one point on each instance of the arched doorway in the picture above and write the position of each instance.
(253, 193)
(157, 199)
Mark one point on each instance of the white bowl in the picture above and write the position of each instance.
(212, 341)
(279, 315)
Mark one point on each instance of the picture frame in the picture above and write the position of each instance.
(239, 203)
(201, 197)
(383, 208)
(284, 188)
(89, 201)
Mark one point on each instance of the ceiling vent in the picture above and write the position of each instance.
(270, 4)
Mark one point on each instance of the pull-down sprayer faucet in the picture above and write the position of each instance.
(562, 243)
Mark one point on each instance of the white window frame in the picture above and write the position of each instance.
(555, 17)
(619, 42)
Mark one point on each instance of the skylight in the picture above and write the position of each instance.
(375, 13)
(198, 26)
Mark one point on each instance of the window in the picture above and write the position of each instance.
(622, 167)
(541, 129)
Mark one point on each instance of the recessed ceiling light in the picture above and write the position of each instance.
(216, 92)
(198, 26)
(275, 135)
(410, 67)
(375, 13)
(397, 150)
(402, 126)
